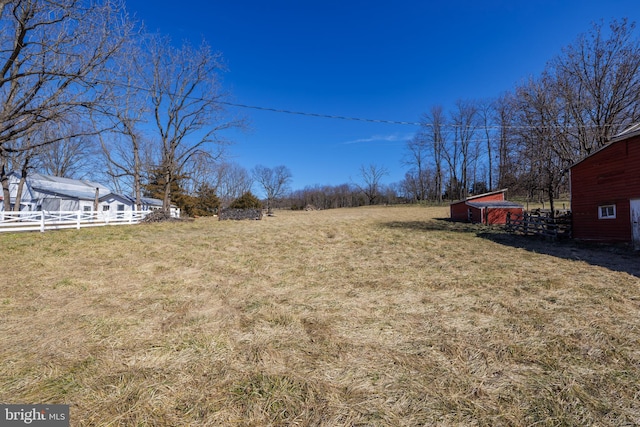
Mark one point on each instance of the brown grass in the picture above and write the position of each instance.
(383, 316)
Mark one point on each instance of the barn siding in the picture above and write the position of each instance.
(476, 214)
(610, 176)
(490, 198)
(499, 215)
(459, 211)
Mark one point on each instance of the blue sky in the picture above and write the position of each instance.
(378, 60)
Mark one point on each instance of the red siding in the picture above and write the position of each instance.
(492, 215)
(610, 176)
(499, 215)
(489, 198)
(476, 214)
(460, 210)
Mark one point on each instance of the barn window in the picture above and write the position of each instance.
(607, 212)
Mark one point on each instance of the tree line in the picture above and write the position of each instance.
(87, 92)
(527, 138)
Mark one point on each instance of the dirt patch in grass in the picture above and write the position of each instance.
(370, 316)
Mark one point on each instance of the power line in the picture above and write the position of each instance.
(274, 110)
(324, 116)
(444, 126)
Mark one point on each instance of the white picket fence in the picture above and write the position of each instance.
(57, 220)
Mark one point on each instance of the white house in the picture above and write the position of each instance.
(115, 202)
(52, 193)
(151, 204)
(27, 194)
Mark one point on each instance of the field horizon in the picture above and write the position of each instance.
(383, 316)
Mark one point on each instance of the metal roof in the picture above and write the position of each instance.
(77, 189)
(148, 201)
(47, 181)
(477, 196)
(151, 201)
(66, 187)
(495, 204)
(69, 194)
(628, 131)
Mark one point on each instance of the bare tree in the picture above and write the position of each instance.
(123, 110)
(371, 176)
(71, 157)
(201, 171)
(54, 55)
(274, 182)
(231, 181)
(586, 95)
(598, 81)
(19, 160)
(504, 110)
(417, 150)
(542, 124)
(486, 114)
(418, 185)
(68, 157)
(432, 128)
(186, 101)
(465, 123)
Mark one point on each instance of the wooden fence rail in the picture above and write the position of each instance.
(540, 224)
(49, 220)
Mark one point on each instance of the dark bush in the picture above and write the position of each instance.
(246, 201)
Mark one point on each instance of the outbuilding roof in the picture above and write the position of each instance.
(148, 201)
(495, 204)
(478, 196)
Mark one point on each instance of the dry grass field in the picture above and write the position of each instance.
(383, 316)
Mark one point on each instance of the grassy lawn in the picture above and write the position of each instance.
(381, 316)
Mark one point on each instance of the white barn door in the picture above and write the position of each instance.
(635, 222)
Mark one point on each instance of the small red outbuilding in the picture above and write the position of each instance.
(605, 192)
(488, 208)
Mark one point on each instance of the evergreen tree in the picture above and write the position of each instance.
(246, 201)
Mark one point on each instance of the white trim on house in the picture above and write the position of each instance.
(56, 194)
(42, 192)
(607, 211)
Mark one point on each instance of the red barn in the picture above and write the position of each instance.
(605, 192)
(488, 208)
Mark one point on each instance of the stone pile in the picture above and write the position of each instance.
(239, 214)
(159, 216)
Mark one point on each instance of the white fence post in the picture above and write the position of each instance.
(57, 220)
